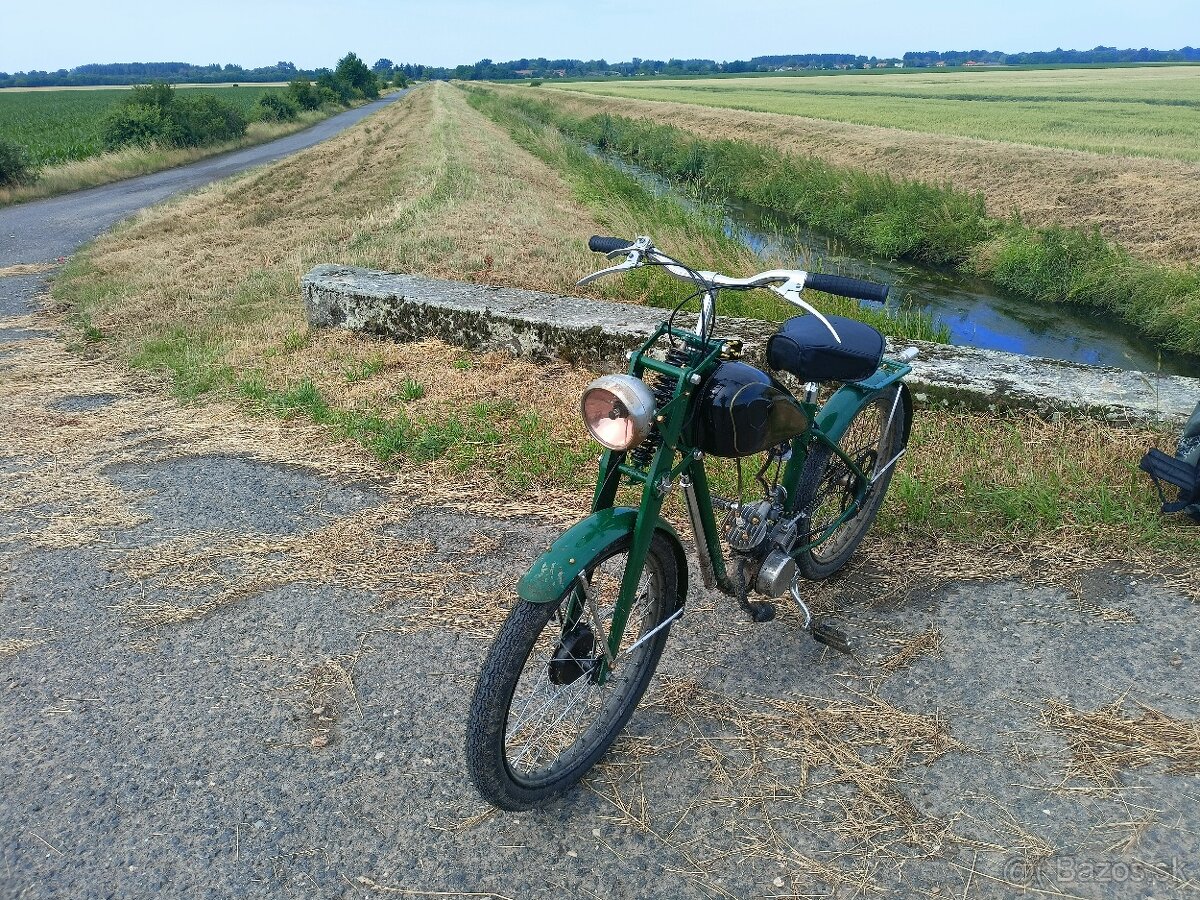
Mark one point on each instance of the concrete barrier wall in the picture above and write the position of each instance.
(596, 334)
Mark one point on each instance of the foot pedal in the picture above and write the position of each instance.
(830, 637)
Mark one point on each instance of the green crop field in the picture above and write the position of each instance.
(60, 126)
(1142, 111)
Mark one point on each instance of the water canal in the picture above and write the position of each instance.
(976, 313)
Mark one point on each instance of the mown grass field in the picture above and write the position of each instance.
(63, 126)
(1151, 111)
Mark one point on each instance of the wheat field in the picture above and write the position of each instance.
(1146, 111)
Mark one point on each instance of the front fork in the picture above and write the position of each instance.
(699, 503)
(581, 607)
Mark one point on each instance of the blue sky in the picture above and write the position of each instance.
(68, 33)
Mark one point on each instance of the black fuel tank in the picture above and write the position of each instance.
(742, 410)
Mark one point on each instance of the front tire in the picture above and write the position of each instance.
(875, 435)
(538, 721)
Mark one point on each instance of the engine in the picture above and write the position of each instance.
(761, 538)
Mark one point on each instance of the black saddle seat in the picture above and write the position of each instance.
(804, 347)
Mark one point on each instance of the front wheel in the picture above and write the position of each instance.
(539, 720)
(828, 487)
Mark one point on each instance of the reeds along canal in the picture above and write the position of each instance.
(975, 313)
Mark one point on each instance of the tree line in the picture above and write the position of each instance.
(487, 70)
(541, 67)
(1101, 55)
(155, 114)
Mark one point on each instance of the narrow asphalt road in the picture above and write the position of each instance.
(44, 231)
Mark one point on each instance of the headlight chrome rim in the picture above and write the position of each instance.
(622, 400)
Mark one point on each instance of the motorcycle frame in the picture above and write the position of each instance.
(827, 424)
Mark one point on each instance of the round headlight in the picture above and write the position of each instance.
(618, 410)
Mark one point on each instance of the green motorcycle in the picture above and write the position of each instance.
(577, 652)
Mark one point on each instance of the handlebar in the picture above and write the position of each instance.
(787, 283)
(855, 288)
(606, 245)
(643, 251)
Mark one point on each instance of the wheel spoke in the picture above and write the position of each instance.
(874, 434)
(550, 724)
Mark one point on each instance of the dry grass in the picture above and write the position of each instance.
(12, 646)
(25, 269)
(782, 773)
(425, 185)
(62, 494)
(1124, 735)
(132, 161)
(927, 642)
(1142, 204)
(321, 694)
(375, 887)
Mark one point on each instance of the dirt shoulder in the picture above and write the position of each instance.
(1146, 205)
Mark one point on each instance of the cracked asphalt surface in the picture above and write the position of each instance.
(236, 663)
(303, 738)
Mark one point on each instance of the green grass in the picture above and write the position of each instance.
(602, 186)
(493, 437)
(1152, 111)
(879, 215)
(57, 127)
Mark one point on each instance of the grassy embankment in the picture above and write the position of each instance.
(205, 291)
(61, 132)
(905, 219)
(1127, 111)
(1144, 203)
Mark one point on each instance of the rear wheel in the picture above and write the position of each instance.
(828, 486)
(539, 720)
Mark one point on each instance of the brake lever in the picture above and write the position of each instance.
(633, 259)
(642, 244)
(790, 291)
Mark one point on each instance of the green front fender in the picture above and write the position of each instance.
(554, 571)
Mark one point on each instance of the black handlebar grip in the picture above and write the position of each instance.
(848, 287)
(598, 244)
